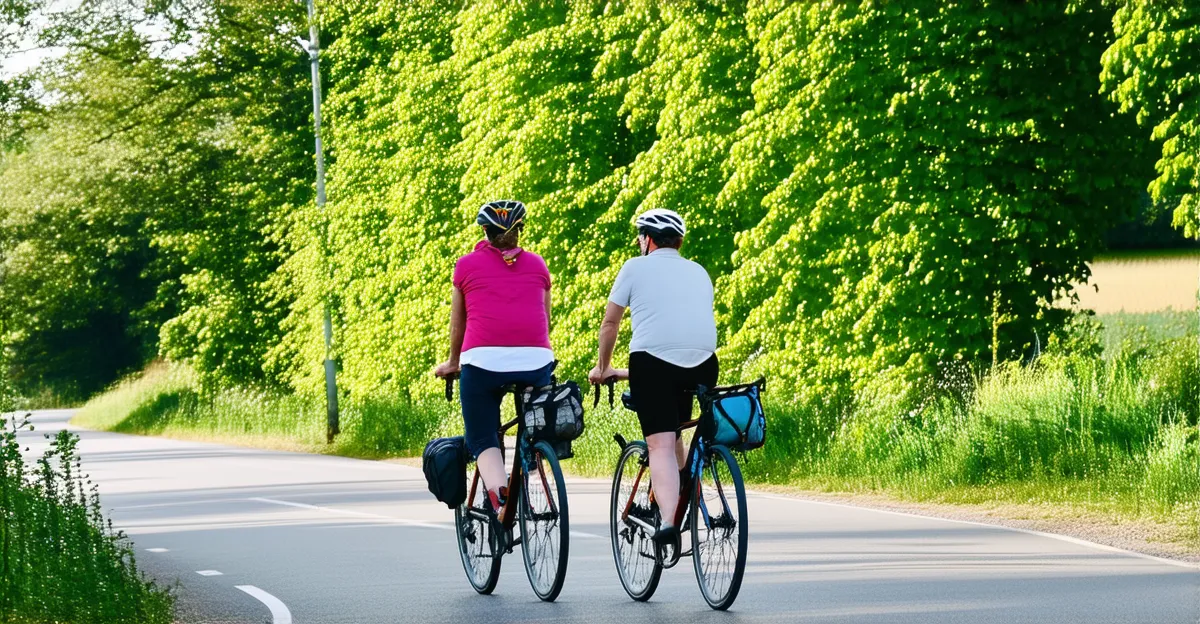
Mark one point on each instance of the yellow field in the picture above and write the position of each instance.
(1142, 283)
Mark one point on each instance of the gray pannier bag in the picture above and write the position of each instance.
(553, 413)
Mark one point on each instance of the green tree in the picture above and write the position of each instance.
(154, 192)
(1151, 70)
(931, 176)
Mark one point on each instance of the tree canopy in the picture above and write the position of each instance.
(877, 188)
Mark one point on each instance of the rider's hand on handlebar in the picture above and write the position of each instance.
(598, 376)
(447, 370)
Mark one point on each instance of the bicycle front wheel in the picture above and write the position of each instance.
(633, 548)
(477, 542)
(719, 531)
(545, 527)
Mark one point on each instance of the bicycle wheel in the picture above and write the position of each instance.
(719, 531)
(633, 549)
(477, 543)
(545, 526)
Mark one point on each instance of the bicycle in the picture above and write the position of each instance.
(718, 525)
(536, 493)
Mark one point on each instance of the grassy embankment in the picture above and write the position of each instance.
(59, 560)
(1112, 434)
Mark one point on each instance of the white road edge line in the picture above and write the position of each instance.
(1062, 538)
(209, 573)
(279, 611)
(356, 514)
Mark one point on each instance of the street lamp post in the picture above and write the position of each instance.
(313, 48)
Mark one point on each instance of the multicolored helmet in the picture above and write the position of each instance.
(504, 214)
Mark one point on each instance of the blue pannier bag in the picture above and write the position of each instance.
(733, 416)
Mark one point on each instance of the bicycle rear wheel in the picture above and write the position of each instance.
(477, 542)
(633, 549)
(545, 527)
(719, 530)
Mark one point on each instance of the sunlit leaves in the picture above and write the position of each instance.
(1153, 70)
(913, 164)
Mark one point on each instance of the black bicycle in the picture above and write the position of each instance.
(537, 494)
(714, 512)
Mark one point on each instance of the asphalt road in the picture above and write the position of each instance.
(260, 536)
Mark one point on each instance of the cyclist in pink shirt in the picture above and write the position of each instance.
(499, 332)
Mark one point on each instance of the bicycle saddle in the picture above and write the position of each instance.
(627, 401)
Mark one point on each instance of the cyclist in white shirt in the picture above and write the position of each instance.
(673, 349)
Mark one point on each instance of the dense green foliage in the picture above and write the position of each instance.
(1153, 69)
(874, 188)
(886, 194)
(59, 561)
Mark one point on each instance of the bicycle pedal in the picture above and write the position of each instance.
(668, 562)
(514, 544)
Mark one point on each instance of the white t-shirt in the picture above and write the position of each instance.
(507, 359)
(670, 299)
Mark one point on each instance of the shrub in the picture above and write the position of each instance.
(59, 560)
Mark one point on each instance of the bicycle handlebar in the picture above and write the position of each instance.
(450, 388)
(611, 382)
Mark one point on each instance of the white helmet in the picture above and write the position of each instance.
(661, 221)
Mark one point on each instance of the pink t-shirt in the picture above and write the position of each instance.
(506, 303)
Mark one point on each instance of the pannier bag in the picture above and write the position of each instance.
(553, 413)
(733, 416)
(445, 465)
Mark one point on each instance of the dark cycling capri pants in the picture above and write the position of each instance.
(479, 391)
(663, 392)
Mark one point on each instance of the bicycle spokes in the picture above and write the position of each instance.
(718, 529)
(544, 522)
(632, 517)
(478, 542)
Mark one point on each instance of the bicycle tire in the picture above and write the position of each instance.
(714, 529)
(545, 560)
(640, 552)
(477, 543)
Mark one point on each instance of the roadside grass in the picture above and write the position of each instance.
(166, 400)
(60, 561)
(1111, 435)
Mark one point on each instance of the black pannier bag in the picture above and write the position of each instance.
(553, 413)
(445, 465)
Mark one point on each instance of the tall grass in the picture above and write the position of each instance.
(1123, 427)
(59, 560)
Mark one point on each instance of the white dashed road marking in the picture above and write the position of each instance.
(209, 573)
(279, 611)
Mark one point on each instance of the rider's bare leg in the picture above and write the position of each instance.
(664, 473)
(491, 468)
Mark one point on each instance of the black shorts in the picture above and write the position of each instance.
(663, 392)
